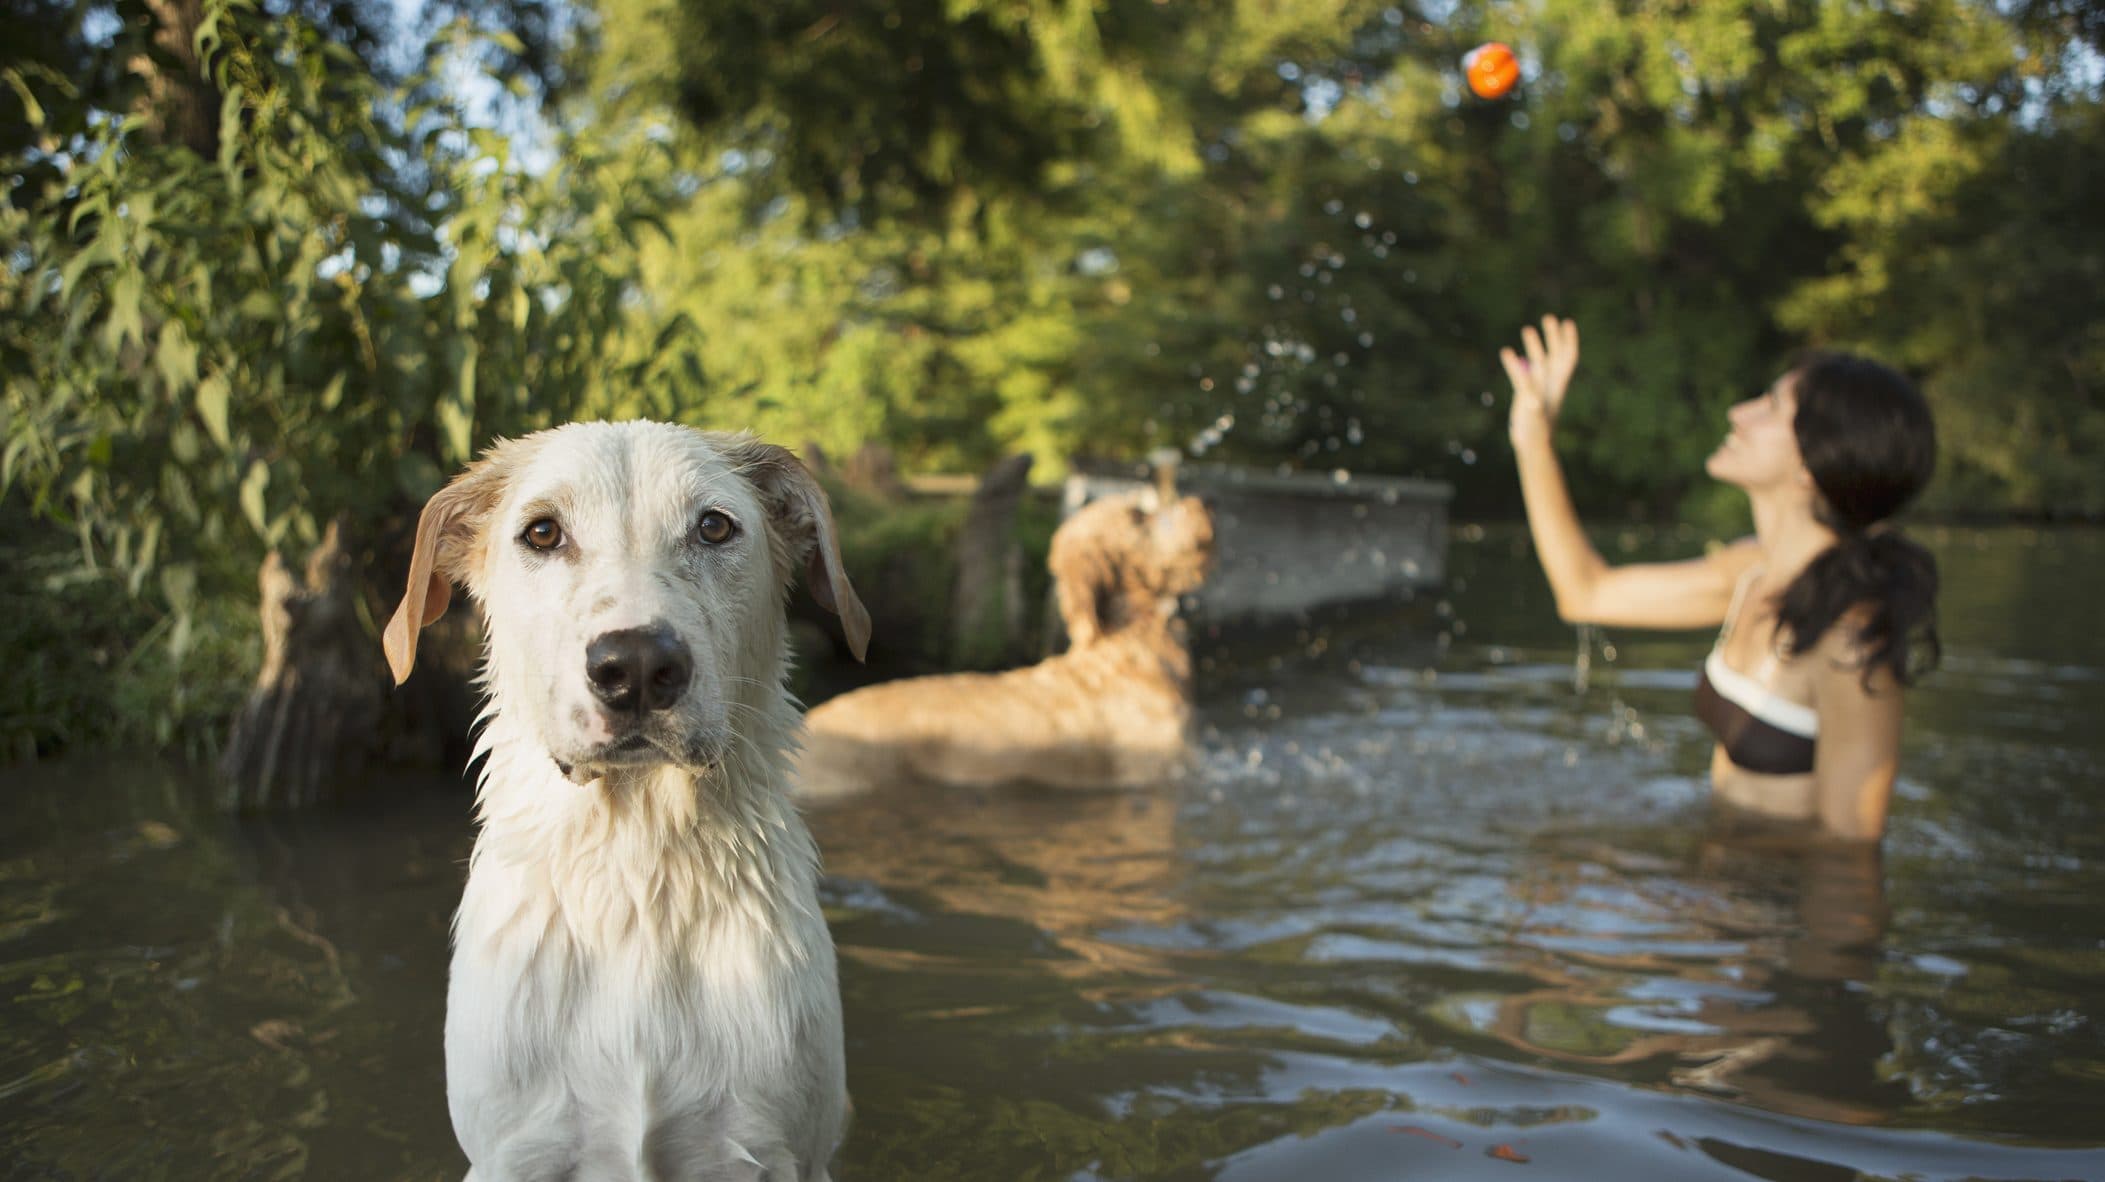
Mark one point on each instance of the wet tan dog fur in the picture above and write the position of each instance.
(1113, 711)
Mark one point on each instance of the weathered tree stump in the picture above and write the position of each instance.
(987, 611)
(313, 715)
(874, 470)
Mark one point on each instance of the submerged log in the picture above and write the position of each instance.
(313, 715)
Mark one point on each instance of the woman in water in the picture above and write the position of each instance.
(1822, 616)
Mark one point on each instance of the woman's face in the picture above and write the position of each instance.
(1761, 449)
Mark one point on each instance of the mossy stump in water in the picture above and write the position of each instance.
(987, 596)
(315, 709)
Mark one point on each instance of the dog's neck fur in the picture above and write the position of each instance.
(1147, 627)
(665, 842)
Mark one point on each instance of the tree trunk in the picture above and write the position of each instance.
(181, 105)
(313, 716)
(987, 601)
(873, 469)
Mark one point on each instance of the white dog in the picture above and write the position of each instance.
(643, 986)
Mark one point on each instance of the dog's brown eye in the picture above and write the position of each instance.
(715, 528)
(543, 534)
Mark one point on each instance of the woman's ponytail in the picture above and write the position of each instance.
(1887, 584)
(1868, 441)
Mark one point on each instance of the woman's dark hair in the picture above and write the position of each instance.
(1866, 436)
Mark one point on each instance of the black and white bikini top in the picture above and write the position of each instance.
(1761, 730)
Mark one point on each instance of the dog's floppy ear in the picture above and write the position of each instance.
(1084, 571)
(804, 516)
(450, 521)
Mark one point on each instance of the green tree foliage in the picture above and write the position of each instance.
(1288, 227)
(1969, 251)
(204, 357)
(889, 110)
(1277, 233)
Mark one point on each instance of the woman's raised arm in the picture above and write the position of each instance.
(1691, 594)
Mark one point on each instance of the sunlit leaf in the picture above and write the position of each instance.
(175, 358)
(253, 486)
(212, 395)
(125, 323)
(32, 110)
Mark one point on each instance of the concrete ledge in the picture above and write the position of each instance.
(1289, 543)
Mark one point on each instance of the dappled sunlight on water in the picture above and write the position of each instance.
(1423, 910)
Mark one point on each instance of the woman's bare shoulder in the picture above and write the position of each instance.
(1732, 560)
(1843, 656)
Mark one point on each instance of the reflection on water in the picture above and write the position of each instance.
(1423, 910)
(1742, 975)
(187, 996)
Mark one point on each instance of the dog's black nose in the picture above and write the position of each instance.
(638, 669)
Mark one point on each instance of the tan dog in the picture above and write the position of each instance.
(1111, 712)
(642, 985)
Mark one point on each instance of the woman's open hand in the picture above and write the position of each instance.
(1541, 377)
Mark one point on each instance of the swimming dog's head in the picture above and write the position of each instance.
(1120, 559)
(631, 577)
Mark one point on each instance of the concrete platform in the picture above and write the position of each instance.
(1290, 543)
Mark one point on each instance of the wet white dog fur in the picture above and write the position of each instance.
(642, 986)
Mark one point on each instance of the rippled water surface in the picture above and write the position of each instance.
(1426, 911)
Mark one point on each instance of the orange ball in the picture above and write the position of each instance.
(1492, 69)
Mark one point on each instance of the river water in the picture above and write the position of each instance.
(1426, 910)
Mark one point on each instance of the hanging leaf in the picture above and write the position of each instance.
(178, 581)
(212, 395)
(126, 323)
(32, 110)
(175, 358)
(457, 414)
(252, 503)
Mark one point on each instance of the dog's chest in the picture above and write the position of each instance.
(632, 984)
(645, 1018)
